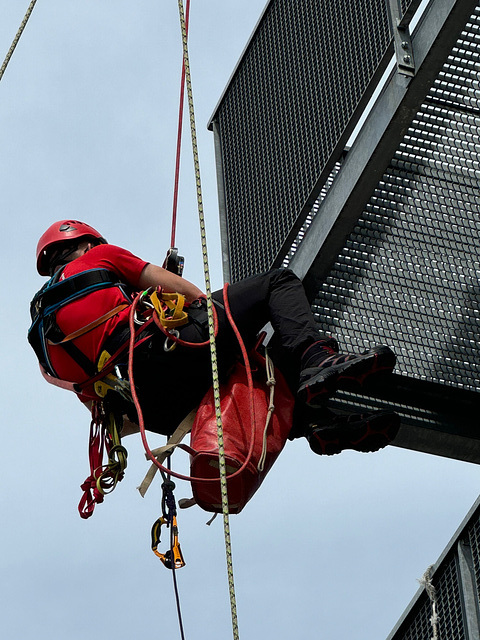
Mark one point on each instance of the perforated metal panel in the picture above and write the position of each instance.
(451, 623)
(286, 109)
(474, 541)
(409, 273)
(456, 595)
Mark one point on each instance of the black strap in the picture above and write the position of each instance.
(65, 289)
(78, 356)
(43, 313)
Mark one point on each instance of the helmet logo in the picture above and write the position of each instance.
(67, 227)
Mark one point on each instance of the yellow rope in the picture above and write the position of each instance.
(17, 38)
(216, 385)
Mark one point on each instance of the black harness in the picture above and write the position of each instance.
(55, 295)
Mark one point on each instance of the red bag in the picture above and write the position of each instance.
(237, 435)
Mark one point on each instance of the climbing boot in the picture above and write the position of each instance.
(324, 370)
(362, 432)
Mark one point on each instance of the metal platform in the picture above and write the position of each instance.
(455, 578)
(385, 232)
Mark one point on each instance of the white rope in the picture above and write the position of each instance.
(271, 382)
(426, 582)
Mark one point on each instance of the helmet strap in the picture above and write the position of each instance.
(61, 258)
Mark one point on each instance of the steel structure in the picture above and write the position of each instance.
(384, 233)
(451, 594)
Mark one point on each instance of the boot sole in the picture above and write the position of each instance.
(366, 435)
(348, 376)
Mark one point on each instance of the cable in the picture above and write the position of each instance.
(179, 137)
(17, 38)
(213, 350)
(174, 574)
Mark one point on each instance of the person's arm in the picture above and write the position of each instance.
(153, 276)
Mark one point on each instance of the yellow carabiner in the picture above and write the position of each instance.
(175, 552)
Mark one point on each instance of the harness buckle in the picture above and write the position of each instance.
(113, 381)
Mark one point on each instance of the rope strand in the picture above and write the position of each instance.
(179, 137)
(9, 55)
(426, 582)
(174, 575)
(216, 384)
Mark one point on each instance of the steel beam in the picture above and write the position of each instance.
(378, 140)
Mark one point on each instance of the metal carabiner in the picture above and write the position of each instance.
(171, 347)
(146, 304)
(175, 553)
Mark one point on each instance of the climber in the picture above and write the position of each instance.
(83, 311)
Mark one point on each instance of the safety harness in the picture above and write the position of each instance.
(108, 458)
(56, 294)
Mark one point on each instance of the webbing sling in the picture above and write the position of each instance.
(93, 325)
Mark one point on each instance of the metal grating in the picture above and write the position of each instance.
(450, 610)
(457, 605)
(276, 145)
(408, 275)
(474, 541)
(418, 625)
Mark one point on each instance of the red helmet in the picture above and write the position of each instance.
(58, 233)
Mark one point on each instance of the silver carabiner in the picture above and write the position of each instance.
(146, 304)
(171, 347)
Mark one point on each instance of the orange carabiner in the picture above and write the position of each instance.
(175, 552)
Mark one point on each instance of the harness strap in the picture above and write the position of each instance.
(112, 361)
(78, 283)
(62, 384)
(162, 452)
(77, 355)
(45, 331)
(93, 325)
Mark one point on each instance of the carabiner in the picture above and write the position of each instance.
(166, 346)
(175, 551)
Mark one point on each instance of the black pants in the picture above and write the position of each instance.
(171, 384)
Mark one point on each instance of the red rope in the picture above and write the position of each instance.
(179, 138)
(101, 479)
(138, 407)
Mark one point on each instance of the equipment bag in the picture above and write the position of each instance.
(269, 436)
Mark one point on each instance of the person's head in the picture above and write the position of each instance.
(64, 241)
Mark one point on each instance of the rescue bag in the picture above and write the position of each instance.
(237, 435)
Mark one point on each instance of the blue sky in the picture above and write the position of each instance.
(329, 548)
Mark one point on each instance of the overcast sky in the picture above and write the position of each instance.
(329, 548)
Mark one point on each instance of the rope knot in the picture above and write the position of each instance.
(426, 582)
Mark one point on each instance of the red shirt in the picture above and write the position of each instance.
(82, 312)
